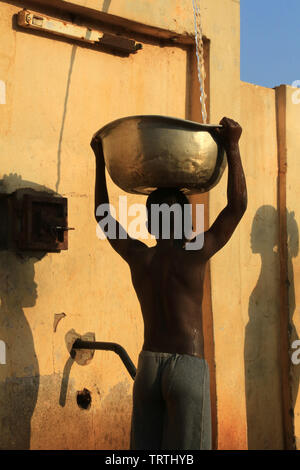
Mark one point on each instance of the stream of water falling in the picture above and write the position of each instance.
(200, 58)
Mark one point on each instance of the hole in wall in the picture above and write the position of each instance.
(84, 399)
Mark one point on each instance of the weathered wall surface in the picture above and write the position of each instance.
(57, 95)
(225, 101)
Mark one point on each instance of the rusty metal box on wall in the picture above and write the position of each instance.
(33, 221)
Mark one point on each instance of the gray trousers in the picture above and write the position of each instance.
(171, 403)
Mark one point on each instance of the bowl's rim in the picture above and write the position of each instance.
(199, 126)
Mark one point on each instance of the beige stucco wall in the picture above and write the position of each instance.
(55, 102)
(245, 289)
(258, 295)
(58, 95)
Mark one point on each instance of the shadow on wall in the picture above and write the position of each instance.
(82, 357)
(106, 5)
(293, 250)
(19, 377)
(261, 351)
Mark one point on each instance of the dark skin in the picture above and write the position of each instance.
(167, 278)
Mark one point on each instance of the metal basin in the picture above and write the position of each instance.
(143, 153)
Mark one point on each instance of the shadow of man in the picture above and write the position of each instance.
(19, 376)
(293, 250)
(261, 350)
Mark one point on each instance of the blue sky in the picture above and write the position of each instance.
(270, 41)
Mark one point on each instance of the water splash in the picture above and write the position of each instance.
(200, 58)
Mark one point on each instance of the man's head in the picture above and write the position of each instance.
(167, 216)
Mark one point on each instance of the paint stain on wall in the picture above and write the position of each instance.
(114, 419)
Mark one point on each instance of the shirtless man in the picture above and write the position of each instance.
(171, 400)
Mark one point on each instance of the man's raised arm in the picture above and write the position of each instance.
(225, 224)
(119, 239)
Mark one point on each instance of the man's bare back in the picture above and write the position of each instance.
(167, 278)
